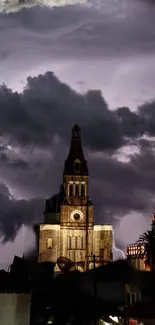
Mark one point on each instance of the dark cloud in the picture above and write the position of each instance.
(35, 133)
(15, 213)
(118, 28)
(132, 124)
(48, 107)
(118, 35)
(126, 186)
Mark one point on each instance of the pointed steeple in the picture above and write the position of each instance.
(76, 133)
(75, 163)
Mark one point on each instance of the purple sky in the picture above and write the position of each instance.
(107, 46)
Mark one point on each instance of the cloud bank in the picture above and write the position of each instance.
(49, 107)
(8, 6)
(35, 128)
(119, 37)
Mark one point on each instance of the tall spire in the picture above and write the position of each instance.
(76, 133)
(75, 163)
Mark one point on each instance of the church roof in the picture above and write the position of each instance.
(53, 205)
(76, 156)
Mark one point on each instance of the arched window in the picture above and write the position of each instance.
(70, 189)
(76, 189)
(77, 164)
(82, 190)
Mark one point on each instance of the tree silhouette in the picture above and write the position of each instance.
(147, 239)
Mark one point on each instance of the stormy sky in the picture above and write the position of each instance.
(86, 62)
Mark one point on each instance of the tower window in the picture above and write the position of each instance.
(76, 189)
(69, 242)
(80, 242)
(74, 243)
(76, 216)
(77, 166)
(70, 189)
(82, 190)
(49, 243)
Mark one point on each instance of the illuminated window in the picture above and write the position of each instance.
(73, 245)
(75, 242)
(80, 242)
(135, 250)
(102, 244)
(49, 243)
(69, 242)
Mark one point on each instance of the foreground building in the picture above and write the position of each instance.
(136, 253)
(135, 256)
(15, 296)
(68, 232)
(15, 308)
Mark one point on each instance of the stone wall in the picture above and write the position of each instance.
(103, 242)
(137, 263)
(78, 254)
(45, 253)
(99, 242)
(66, 211)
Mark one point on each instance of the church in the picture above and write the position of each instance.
(68, 232)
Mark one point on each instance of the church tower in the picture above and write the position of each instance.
(68, 232)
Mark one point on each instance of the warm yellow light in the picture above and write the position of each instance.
(115, 318)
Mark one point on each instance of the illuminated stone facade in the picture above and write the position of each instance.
(136, 253)
(135, 256)
(68, 231)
